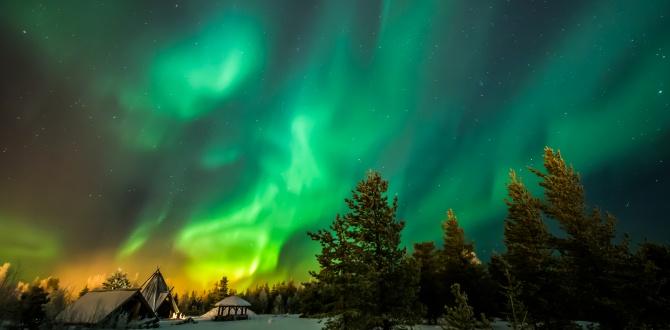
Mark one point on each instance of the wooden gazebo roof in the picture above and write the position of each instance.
(233, 301)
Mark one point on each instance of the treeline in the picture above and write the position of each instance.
(194, 303)
(545, 279)
(36, 304)
(279, 298)
(30, 305)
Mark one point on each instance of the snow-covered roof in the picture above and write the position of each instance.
(96, 305)
(233, 301)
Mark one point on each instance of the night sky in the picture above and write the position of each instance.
(208, 137)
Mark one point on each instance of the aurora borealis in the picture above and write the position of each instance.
(208, 137)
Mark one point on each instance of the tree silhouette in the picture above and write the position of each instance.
(373, 279)
(31, 307)
(461, 265)
(430, 280)
(529, 252)
(118, 280)
(461, 316)
(579, 272)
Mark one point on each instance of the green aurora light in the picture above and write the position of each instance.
(223, 131)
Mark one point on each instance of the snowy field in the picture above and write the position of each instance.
(279, 322)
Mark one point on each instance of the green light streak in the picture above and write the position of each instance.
(248, 128)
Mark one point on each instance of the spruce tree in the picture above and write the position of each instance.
(361, 260)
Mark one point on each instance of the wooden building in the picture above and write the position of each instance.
(232, 308)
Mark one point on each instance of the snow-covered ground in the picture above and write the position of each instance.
(278, 322)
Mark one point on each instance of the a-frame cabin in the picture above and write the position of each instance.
(159, 296)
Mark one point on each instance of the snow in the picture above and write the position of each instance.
(276, 322)
(287, 322)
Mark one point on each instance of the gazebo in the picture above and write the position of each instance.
(232, 308)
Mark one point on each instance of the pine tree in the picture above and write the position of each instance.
(456, 251)
(582, 271)
(525, 235)
(589, 256)
(372, 277)
(118, 280)
(529, 251)
(217, 293)
(461, 265)
(430, 280)
(461, 316)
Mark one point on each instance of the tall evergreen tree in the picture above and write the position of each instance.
(529, 252)
(461, 265)
(457, 251)
(220, 290)
(373, 279)
(526, 236)
(582, 269)
(589, 256)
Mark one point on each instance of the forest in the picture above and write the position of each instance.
(564, 261)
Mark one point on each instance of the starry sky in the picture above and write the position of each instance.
(207, 137)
